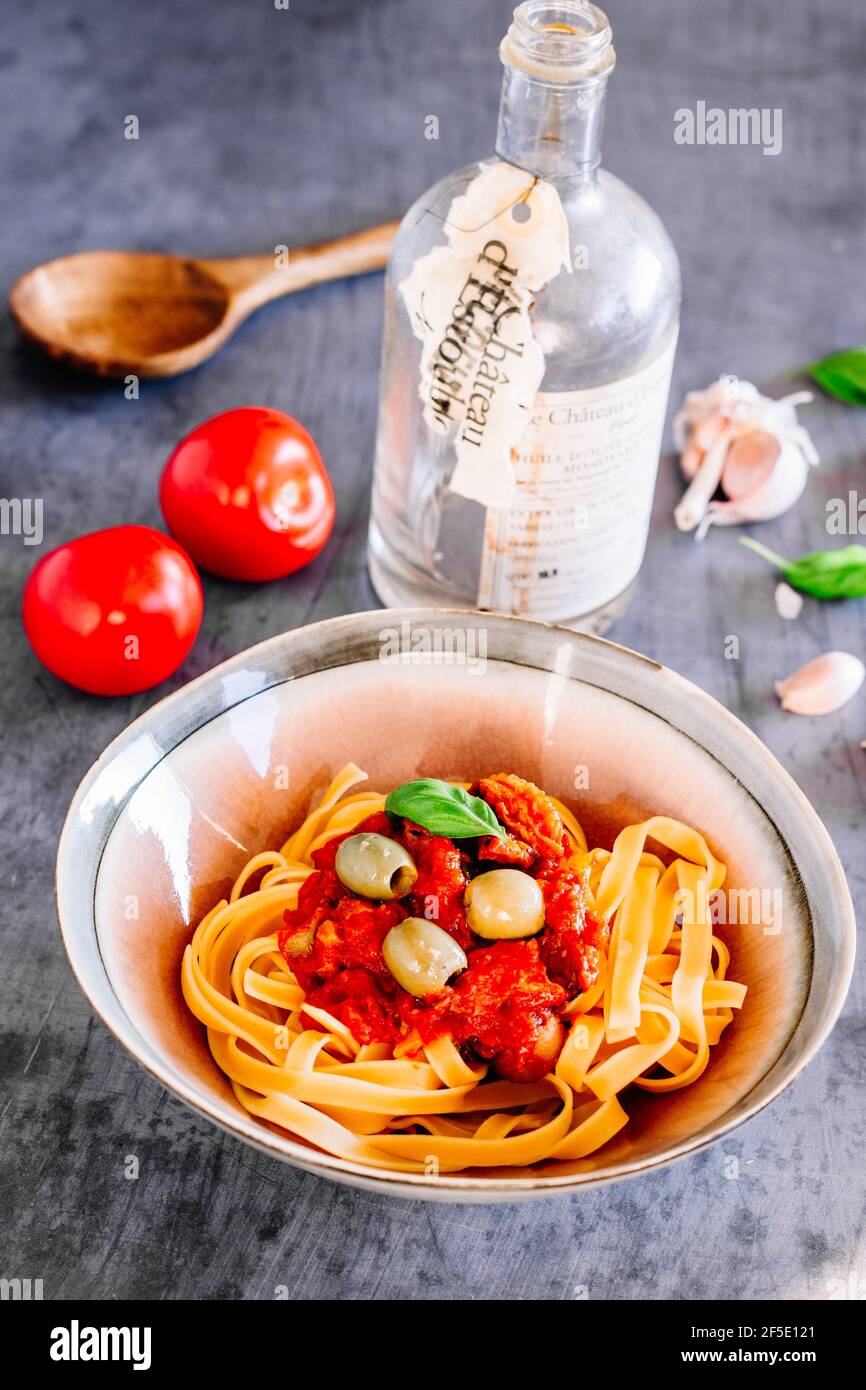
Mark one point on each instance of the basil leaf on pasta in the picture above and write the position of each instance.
(444, 809)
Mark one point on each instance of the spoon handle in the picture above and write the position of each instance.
(254, 280)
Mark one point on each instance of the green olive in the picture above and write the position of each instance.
(375, 867)
(504, 904)
(421, 956)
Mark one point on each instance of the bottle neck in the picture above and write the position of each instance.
(557, 57)
(551, 131)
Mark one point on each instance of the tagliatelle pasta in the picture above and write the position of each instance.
(660, 1002)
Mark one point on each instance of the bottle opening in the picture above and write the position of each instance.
(566, 42)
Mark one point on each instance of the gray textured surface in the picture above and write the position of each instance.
(261, 126)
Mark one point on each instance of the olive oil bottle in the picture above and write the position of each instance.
(532, 311)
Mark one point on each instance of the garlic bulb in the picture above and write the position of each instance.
(823, 685)
(754, 448)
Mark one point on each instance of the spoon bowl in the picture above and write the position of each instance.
(119, 313)
(114, 312)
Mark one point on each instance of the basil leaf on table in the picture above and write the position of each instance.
(822, 573)
(842, 375)
(444, 809)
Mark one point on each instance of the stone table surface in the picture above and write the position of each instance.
(259, 126)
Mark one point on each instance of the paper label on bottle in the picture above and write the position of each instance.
(574, 534)
(469, 301)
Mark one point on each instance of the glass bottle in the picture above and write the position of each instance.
(592, 336)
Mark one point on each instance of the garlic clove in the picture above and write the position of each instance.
(750, 461)
(707, 431)
(823, 685)
(780, 489)
(690, 459)
(692, 506)
(769, 498)
(789, 603)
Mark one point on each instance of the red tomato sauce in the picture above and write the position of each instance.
(501, 1006)
(504, 1008)
(365, 1002)
(573, 943)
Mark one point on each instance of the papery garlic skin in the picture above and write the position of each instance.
(729, 432)
(823, 685)
(721, 398)
(789, 604)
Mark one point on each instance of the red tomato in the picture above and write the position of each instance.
(247, 495)
(113, 612)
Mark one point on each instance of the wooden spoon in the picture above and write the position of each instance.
(132, 313)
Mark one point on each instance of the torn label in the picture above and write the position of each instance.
(469, 304)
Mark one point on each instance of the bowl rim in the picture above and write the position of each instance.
(446, 1187)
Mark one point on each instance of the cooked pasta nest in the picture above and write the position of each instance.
(659, 1005)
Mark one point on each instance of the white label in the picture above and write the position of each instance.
(575, 532)
(469, 303)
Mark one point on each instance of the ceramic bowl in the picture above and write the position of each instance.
(173, 808)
